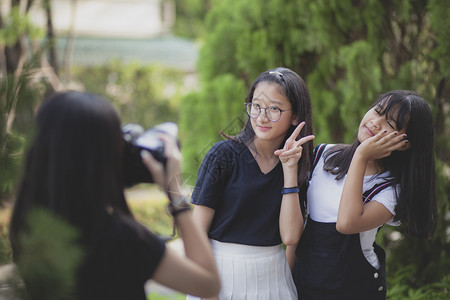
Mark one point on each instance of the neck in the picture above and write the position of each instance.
(265, 149)
(263, 154)
(373, 167)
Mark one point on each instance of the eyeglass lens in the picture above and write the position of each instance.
(272, 113)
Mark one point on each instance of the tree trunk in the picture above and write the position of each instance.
(51, 37)
(70, 44)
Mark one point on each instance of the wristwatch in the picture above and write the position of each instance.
(178, 204)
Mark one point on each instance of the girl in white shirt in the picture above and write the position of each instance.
(386, 176)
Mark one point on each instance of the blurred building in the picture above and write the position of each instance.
(131, 30)
(109, 18)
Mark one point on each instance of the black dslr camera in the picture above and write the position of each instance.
(136, 140)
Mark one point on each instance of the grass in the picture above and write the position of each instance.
(5, 248)
(148, 205)
(155, 296)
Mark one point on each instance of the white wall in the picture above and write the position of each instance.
(110, 18)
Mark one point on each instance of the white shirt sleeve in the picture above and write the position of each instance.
(388, 198)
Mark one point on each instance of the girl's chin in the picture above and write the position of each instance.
(362, 137)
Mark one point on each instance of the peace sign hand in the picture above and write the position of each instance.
(292, 150)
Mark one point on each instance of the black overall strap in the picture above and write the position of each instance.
(369, 194)
(332, 265)
(317, 153)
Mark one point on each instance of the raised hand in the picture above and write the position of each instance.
(292, 150)
(169, 178)
(382, 145)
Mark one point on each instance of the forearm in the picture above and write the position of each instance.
(195, 274)
(291, 219)
(351, 206)
(196, 243)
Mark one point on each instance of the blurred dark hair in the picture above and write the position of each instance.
(413, 170)
(74, 165)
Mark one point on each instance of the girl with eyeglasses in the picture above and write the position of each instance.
(246, 198)
(386, 176)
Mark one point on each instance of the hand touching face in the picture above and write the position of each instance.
(383, 144)
(374, 122)
(379, 135)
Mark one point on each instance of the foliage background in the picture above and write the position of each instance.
(347, 51)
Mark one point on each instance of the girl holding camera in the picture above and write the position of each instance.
(74, 169)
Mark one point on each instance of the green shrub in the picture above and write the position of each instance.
(434, 291)
(49, 257)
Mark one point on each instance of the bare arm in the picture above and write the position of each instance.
(196, 274)
(203, 216)
(353, 215)
(291, 218)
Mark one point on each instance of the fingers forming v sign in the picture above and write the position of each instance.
(292, 150)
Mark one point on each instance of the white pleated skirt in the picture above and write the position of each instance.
(253, 272)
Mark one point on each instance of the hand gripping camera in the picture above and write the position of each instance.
(136, 140)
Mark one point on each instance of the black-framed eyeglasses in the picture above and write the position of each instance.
(273, 113)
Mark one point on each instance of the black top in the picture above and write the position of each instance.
(124, 259)
(246, 201)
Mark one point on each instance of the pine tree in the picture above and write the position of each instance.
(348, 52)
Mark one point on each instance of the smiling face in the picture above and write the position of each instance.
(267, 95)
(377, 120)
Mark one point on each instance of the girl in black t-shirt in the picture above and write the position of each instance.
(247, 192)
(74, 169)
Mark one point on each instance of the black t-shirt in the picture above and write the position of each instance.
(124, 259)
(246, 201)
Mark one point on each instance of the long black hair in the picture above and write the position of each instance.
(74, 165)
(294, 88)
(413, 170)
